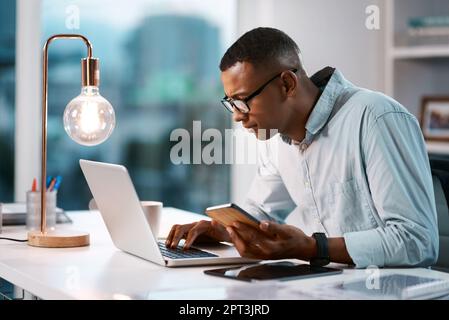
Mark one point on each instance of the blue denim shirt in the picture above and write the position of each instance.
(362, 172)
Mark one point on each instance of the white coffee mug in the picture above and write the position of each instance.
(153, 212)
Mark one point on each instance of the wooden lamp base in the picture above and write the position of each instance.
(58, 239)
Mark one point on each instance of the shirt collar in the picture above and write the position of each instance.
(334, 83)
(331, 83)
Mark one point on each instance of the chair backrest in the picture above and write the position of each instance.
(440, 176)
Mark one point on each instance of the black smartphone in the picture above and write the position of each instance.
(283, 270)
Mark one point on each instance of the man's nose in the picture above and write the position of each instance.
(239, 116)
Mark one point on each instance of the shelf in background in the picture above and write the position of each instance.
(438, 147)
(421, 52)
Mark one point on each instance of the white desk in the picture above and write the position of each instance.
(101, 271)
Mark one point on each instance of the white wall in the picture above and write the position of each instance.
(328, 32)
(28, 96)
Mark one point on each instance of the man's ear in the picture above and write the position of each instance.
(289, 83)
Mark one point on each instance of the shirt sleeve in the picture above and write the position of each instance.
(400, 182)
(268, 198)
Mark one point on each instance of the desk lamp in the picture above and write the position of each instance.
(89, 120)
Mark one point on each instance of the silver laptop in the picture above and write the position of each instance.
(119, 205)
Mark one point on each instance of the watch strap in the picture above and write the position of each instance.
(322, 256)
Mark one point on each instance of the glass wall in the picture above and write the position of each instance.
(159, 69)
(7, 93)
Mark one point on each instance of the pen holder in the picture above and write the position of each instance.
(34, 210)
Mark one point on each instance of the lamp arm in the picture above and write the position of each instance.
(44, 116)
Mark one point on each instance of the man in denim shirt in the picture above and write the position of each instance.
(349, 166)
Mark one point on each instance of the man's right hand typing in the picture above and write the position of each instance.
(201, 231)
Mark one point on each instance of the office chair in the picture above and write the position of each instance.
(440, 176)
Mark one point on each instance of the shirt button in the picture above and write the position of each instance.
(303, 146)
(307, 184)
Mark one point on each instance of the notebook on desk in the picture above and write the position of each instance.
(15, 214)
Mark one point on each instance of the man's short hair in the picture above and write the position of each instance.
(262, 46)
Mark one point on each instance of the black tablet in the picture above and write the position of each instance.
(283, 270)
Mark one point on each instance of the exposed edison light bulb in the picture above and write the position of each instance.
(89, 119)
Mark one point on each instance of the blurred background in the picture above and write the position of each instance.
(159, 69)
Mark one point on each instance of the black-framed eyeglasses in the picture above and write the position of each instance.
(242, 104)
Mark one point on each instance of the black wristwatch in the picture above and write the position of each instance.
(322, 257)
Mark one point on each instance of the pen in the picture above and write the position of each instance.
(52, 184)
(34, 185)
(57, 183)
(49, 178)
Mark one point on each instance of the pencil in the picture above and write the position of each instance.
(52, 184)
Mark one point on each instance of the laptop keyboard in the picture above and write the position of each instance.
(179, 253)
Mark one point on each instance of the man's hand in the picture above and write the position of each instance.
(272, 241)
(201, 231)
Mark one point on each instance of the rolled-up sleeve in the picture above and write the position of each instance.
(400, 183)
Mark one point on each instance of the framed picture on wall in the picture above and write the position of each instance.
(435, 118)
